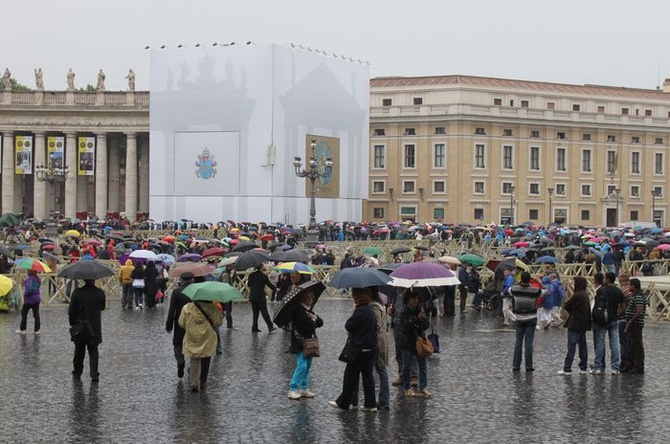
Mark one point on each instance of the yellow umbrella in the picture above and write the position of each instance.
(6, 285)
(72, 233)
(243, 238)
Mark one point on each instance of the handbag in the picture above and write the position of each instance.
(159, 295)
(82, 331)
(424, 348)
(310, 347)
(138, 283)
(349, 353)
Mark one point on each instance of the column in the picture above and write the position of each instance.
(144, 174)
(101, 176)
(7, 172)
(114, 179)
(40, 199)
(71, 180)
(131, 177)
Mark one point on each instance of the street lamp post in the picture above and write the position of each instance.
(654, 195)
(550, 191)
(511, 205)
(313, 173)
(617, 192)
(52, 176)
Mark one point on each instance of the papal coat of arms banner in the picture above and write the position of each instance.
(328, 185)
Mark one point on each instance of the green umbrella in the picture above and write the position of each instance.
(372, 251)
(471, 259)
(9, 220)
(212, 291)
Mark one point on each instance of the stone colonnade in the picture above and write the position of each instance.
(109, 191)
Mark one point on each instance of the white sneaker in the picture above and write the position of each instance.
(563, 372)
(583, 372)
(615, 372)
(21, 332)
(369, 409)
(596, 372)
(36, 333)
(294, 394)
(307, 394)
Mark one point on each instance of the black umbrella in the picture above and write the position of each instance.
(116, 237)
(244, 246)
(252, 259)
(291, 300)
(359, 278)
(53, 257)
(389, 267)
(43, 240)
(291, 256)
(400, 250)
(85, 269)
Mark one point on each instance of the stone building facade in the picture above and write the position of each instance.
(119, 179)
(480, 150)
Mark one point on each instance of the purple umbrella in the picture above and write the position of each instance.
(189, 257)
(423, 274)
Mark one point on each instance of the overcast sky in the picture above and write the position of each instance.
(608, 42)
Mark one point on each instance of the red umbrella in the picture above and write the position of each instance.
(214, 251)
(48, 247)
(520, 244)
(168, 238)
(267, 237)
(95, 242)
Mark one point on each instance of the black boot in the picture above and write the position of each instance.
(180, 370)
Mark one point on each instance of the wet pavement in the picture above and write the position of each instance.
(477, 399)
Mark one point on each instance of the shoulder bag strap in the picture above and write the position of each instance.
(204, 314)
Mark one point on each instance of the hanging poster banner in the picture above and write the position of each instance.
(86, 156)
(23, 149)
(55, 152)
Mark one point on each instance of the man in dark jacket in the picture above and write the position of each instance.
(579, 322)
(258, 280)
(177, 302)
(464, 277)
(86, 306)
(362, 329)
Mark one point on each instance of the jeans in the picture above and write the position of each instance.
(300, 380)
(599, 344)
(384, 389)
(398, 353)
(139, 294)
(24, 316)
(525, 333)
(576, 338)
(407, 356)
(127, 296)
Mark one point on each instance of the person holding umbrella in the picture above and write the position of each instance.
(199, 319)
(86, 305)
(31, 301)
(304, 323)
(361, 327)
(412, 321)
(177, 303)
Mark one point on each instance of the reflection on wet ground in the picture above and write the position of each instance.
(477, 397)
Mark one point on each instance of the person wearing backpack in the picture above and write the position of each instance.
(520, 305)
(605, 321)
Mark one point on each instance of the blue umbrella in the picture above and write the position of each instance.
(359, 278)
(546, 260)
(167, 259)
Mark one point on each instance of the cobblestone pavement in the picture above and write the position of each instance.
(477, 397)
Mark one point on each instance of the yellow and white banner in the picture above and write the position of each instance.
(86, 160)
(55, 152)
(23, 152)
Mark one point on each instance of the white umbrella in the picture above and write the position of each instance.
(144, 254)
